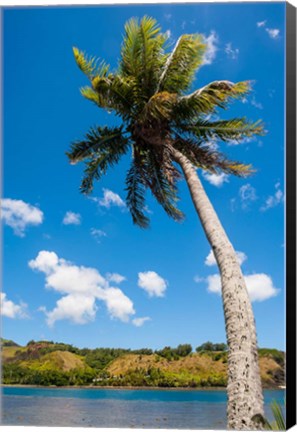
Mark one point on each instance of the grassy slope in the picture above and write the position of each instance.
(57, 360)
(195, 365)
(8, 353)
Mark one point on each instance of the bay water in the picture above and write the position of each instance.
(126, 408)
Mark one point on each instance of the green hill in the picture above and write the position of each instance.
(57, 361)
(7, 343)
(49, 363)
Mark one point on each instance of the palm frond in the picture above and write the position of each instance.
(148, 30)
(142, 55)
(180, 67)
(90, 66)
(97, 139)
(205, 100)
(135, 199)
(91, 173)
(159, 107)
(131, 47)
(279, 422)
(162, 185)
(278, 416)
(88, 93)
(97, 166)
(113, 92)
(206, 158)
(102, 148)
(226, 130)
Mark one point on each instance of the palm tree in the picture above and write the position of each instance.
(165, 129)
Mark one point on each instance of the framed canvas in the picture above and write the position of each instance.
(149, 216)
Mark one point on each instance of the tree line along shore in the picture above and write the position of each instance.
(46, 363)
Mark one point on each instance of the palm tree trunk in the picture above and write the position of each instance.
(245, 398)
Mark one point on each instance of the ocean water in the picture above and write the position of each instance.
(170, 409)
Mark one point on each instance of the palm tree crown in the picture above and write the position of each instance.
(148, 92)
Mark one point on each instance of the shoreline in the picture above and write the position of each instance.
(90, 387)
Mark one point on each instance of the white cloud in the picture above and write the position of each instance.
(152, 283)
(10, 309)
(211, 261)
(18, 215)
(211, 117)
(115, 277)
(72, 218)
(198, 279)
(260, 286)
(213, 145)
(244, 140)
(109, 199)
(231, 52)
(80, 287)
(261, 23)
(147, 210)
(241, 257)
(168, 16)
(185, 23)
(98, 234)
(271, 93)
(118, 304)
(216, 179)
(45, 262)
(168, 33)
(273, 33)
(233, 205)
(214, 283)
(138, 322)
(247, 195)
(75, 307)
(273, 200)
(211, 50)
(255, 103)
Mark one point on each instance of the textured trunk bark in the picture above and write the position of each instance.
(244, 389)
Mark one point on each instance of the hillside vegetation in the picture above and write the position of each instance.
(48, 363)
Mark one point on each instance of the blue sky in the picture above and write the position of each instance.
(76, 269)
